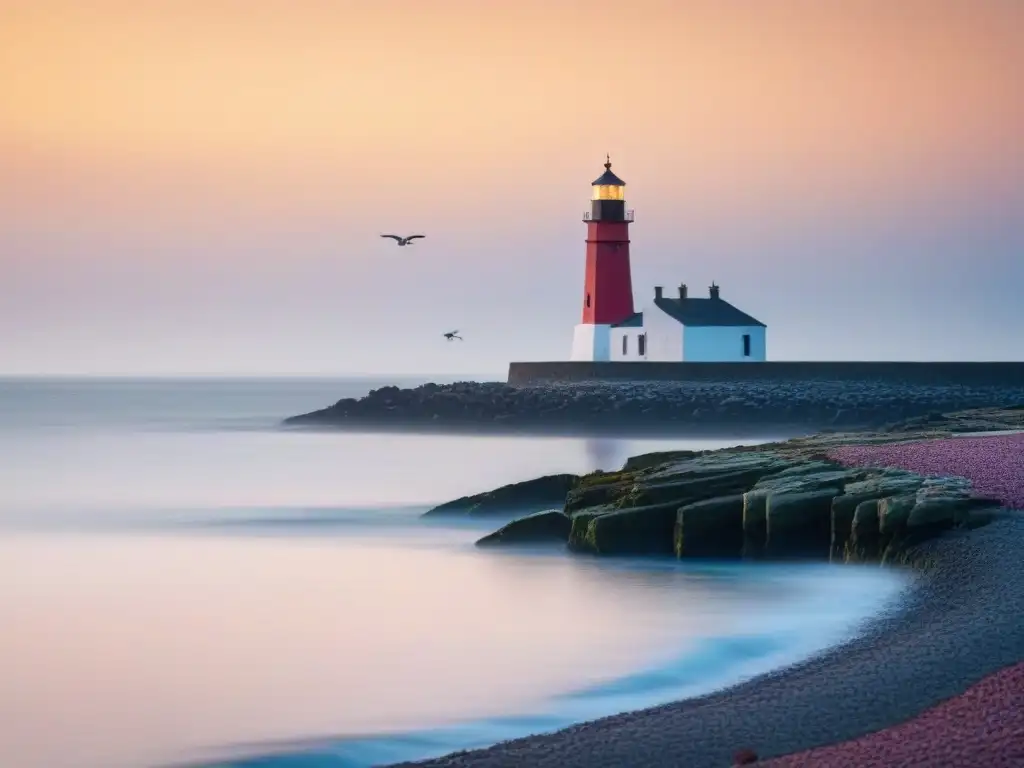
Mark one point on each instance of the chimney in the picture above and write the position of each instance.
(657, 292)
(682, 291)
(714, 291)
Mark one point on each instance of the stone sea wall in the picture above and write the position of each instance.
(657, 407)
(963, 374)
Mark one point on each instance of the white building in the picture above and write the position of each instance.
(688, 329)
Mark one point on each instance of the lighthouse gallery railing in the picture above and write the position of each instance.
(588, 215)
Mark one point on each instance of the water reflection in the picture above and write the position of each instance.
(603, 454)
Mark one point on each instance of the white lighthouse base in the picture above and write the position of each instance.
(591, 342)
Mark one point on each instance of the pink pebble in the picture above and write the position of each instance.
(994, 465)
(984, 726)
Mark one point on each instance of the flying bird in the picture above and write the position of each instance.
(453, 335)
(403, 240)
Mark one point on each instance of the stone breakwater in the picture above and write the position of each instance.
(654, 407)
(958, 626)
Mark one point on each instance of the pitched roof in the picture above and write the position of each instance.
(636, 320)
(608, 179)
(706, 312)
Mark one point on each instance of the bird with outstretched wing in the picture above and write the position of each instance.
(451, 335)
(404, 240)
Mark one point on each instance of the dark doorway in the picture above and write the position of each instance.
(746, 345)
(641, 344)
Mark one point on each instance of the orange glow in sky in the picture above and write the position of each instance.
(172, 117)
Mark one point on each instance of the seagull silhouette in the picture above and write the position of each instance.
(403, 240)
(453, 335)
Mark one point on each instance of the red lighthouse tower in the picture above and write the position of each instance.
(608, 284)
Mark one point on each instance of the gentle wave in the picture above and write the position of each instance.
(715, 663)
(712, 664)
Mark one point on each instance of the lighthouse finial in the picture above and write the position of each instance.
(608, 161)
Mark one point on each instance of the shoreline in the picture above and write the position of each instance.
(903, 662)
(683, 431)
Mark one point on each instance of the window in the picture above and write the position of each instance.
(609, 192)
(625, 344)
(641, 344)
(588, 300)
(746, 345)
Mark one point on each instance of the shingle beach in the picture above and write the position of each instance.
(994, 465)
(900, 693)
(983, 726)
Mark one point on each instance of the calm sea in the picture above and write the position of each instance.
(185, 581)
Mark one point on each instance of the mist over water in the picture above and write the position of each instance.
(187, 582)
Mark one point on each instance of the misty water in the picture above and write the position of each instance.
(185, 581)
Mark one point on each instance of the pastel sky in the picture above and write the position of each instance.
(198, 186)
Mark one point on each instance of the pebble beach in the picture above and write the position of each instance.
(935, 681)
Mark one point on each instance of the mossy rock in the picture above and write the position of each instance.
(862, 546)
(550, 525)
(893, 514)
(645, 530)
(697, 488)
(799, 523)
(843, 507)
(539, 494)
(580, 534)
(604, 478)
(712, 528)
(656, 459)
(755, 523)
(595, 494)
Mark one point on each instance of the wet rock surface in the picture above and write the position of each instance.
(782, 501)
(536, 495)
(552, 525)
(663, 407)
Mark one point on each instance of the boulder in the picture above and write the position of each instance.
(799, 522)
(581, 536)
(893, 513)
(598, 488)
(712, 528)
(550, 525)
(862, 545)
(656, 458)
(874, 484)
(644, 530)
(535, 495)
(755, 523)
(696, 487)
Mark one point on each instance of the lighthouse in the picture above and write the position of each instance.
(607, 283)
(667, 329)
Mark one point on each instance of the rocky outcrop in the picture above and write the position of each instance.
(782, 501)
(529, 496)
(552, 525)
(741, 407)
